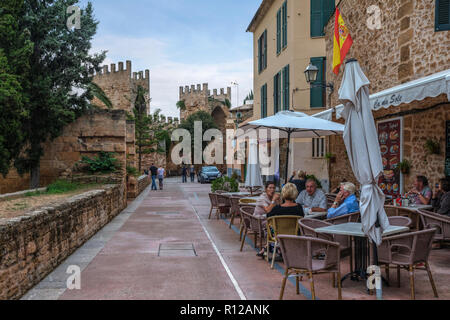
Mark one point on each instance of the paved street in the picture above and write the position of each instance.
(164, 247)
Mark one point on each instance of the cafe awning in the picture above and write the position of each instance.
(427, 87)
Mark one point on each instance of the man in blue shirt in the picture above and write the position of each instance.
(345, 202)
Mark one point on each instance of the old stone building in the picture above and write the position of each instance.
(200, 99)
(407, 62)
(120, 85)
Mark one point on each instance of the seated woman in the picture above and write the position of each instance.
(289, 208)
(421, 191)
(345, 202)
(441, 199)
(339, 189)
(267, 200)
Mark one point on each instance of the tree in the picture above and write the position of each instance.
(249, 97)
(207, 123)
(149, 130)
(59, 82)
(181, 105)
(15, 51)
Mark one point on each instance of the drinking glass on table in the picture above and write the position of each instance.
(307, 211)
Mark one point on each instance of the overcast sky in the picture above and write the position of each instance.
(181, 42)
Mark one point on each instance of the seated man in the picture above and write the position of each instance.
(312, 198)
(421, 191)
(345, 202)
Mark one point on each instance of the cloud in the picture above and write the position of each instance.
(168, 74)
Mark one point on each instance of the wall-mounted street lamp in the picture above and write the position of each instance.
(311, 74)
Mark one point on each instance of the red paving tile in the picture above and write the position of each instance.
(128, 267)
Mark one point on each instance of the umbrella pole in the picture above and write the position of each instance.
(287, 156)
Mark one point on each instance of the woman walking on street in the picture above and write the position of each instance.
(161, 172)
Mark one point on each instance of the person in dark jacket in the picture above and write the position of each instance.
(441, 199)
(289, 208)
(154, 173)
(184, 173)
(299, 181)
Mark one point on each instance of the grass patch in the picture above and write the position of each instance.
(59, 187)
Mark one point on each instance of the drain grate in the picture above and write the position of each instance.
(166, 213)
(183, 249)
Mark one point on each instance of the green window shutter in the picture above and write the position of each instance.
(317, 93)
(286, 87)
(264, 101)
(265, 49)
(284, 24)
(316, 18)
(259, 55)
(277, 93)
(442, 15)
(279, 31)
(328, 10)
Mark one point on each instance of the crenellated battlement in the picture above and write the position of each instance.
(193, 89)
(107, 71)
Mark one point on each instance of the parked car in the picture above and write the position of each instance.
(208, 174)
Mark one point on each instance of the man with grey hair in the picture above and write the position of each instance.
(312, 199)
(345, 203)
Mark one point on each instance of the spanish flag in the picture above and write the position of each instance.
(342, 42)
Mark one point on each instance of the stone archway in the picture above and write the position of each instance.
(220, 117)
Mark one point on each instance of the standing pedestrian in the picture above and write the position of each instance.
(192, 173)
(161, 172)
(154, 173)
(184, 173)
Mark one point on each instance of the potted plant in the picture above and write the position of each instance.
(330, 157)
(432, 146)
(404, 166)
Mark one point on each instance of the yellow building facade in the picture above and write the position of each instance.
(287, 36)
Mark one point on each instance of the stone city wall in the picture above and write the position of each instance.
(32, 245)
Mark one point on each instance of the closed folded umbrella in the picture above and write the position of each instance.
(361, 141)
(253, 178)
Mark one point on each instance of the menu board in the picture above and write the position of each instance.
(389, 136)
(447, 152)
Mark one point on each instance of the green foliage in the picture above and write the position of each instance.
(250, 96)
(132, 171)
(181, 105)
(98, 93)
(225, 183)
(15, 52)
(313, 177)
(432, 147)
(58, 187)
(207, 123)
(58, 85)
(104, 162)
(404, 166)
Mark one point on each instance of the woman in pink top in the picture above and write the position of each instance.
(267, 201)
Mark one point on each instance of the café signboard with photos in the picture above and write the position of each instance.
(390, 138)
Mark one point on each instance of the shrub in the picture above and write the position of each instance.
(132, 171)
(104, 162)
(226, 184)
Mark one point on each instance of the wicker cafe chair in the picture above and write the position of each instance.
(351, 217)
(253, 225)
(404, 212)
(214, 204)
(234, 209)
(440, 222)
(400, 221)
(298, 258)
(331, 197)
(245, 202)
(307, 228)
(224, 204)
(280, 225)
(408, 250)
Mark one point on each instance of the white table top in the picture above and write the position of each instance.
(416, 207)
(355, 229)
(316, 215)
(236, 194)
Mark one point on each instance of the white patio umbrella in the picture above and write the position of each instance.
(253, 178)
(361, 141)
(296, 125)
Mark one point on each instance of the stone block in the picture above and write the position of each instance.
(405, 70)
